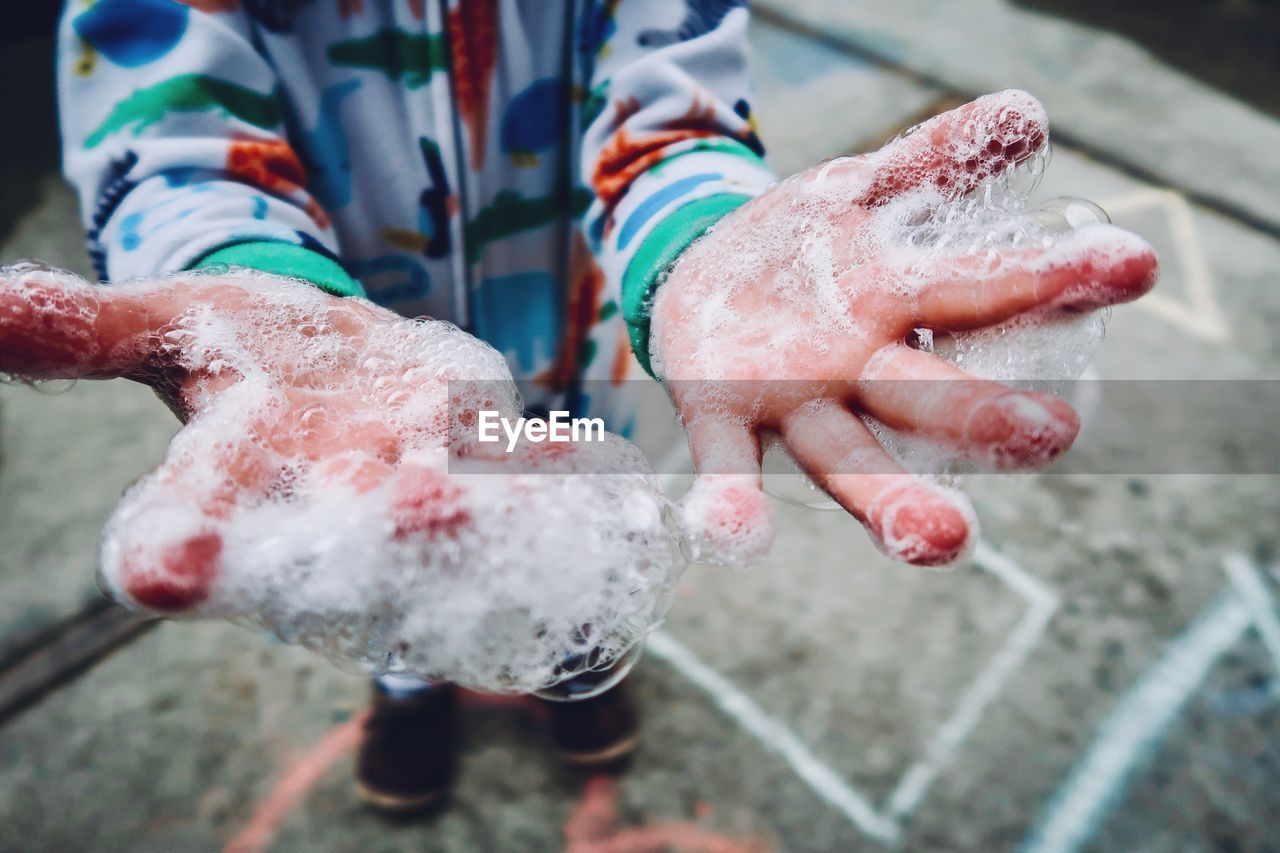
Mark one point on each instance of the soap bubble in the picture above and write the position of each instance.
(784, 479)
(1041, 347)
(590, 675)
(53, 387)
(1043, 350)
(1064, 214)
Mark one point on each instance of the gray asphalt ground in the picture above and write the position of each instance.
(1104, 676)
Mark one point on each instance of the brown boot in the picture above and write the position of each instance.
(596, 732)
(407, 757)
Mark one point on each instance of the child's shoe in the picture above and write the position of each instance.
(597, 732)
(407, 758)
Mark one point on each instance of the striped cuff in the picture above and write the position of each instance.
(663, 211)
(655, 256)
(285, 259)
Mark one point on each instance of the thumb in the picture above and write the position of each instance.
(55, 325)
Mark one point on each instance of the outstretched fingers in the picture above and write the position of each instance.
(999, 426)
(55, 325)
(725, 516)
(959, 149)
(1096, 266)
(909, 520)
(163, 547)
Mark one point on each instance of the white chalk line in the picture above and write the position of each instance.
(1151, 705)
(1035, 591)
(944, 744)
(774, 735)
(770, 732)
(1200, 314)
(676, 460)
(915, 782)
(1253, 593)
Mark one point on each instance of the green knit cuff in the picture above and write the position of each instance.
(285, 259)
(657, 253)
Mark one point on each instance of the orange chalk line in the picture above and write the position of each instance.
(589, 829)
(301, 776)
(594, 815)
(657, 838)
(293, 785)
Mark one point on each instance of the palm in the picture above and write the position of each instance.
(321, 486)
(281, 387)
(752, 332)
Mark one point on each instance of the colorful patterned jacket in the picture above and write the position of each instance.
(525, 168)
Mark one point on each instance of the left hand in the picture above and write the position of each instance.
(751, 334)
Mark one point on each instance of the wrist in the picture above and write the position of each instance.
(655, 258)
(289, 260)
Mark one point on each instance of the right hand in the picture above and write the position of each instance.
(338, 384)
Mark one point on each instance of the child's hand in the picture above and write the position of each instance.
(312, 489)
(755, 300)
(334, 380)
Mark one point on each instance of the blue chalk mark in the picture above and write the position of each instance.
(1137, 724)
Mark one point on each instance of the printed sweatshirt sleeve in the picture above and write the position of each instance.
(173, 135)
(668, 145)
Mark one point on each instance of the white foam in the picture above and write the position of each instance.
(797, 284)
(315, 495)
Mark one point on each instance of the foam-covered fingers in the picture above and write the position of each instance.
(55, 325)
(999, 426)
(162, 548)
(909, 520)
(958, 149)
(428, 504)
(356, 470)
(725, 516)
(1096, 266)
